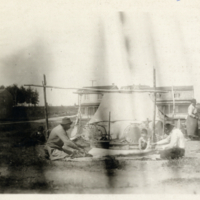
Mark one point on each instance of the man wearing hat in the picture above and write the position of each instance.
(59, 145)
(173, 146)
(192, 120)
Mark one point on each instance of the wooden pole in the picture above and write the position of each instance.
(163, 126)
(45, 107)
(109, 126)
(173, 97)
(154, 113)
(78, 118)
(98, 90)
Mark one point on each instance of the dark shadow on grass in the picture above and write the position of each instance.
(25, 168)
(111, 164)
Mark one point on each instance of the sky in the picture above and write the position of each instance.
(74, 42)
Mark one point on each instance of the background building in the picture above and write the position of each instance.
(182, 96)
(6, 103)
(91, 99)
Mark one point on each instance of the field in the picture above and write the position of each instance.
(20, 113)
(24, 170)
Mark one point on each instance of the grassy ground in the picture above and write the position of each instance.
(22, 170)
(23, 113)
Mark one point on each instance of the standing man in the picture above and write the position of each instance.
(174, 143)
(192, 120)
(59, 145)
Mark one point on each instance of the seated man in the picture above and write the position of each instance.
(144, 140)
(175, 143)
(59, 145)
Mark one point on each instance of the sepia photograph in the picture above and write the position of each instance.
(100, 97)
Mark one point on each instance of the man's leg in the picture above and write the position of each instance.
(177, 153)
(165, 154)
(69, 150)
(74, 153)
(56, 154)
(174, 153)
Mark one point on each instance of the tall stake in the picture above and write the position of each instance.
(154, 113)
(164, 125)
(173, 113)
(45, 107)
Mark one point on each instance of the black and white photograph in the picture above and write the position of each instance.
(100, 97)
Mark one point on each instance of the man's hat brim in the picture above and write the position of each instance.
(170, 123)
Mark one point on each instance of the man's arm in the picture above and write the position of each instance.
(173, 141)
(67, 142)
(164, 141)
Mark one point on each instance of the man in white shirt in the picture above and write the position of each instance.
(174, 143)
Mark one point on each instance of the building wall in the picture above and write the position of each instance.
(182, 96)
(90, 104)
(168, 108)
(178, 95)
(89, 111)
(91, 98)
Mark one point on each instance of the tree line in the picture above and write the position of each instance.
(23, 95)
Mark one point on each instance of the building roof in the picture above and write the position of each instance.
(103, 87)
(187, 101)
(136, 87)
(182, 88)
(90, 104)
